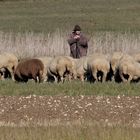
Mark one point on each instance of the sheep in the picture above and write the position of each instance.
(129, 69)
(72, 72)
(45, 60)
(29, 69)
(59, 66)
(82, 65)
(117, 58)
(99, 67)
(9, 61)
(4, 73)
(136, 57)
(114, 61)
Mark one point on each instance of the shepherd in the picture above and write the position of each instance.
(78, 43)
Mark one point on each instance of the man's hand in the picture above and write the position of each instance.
(76, 37)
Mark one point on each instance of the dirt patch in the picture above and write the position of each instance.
(33, 109)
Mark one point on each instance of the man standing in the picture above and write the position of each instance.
(78, 43)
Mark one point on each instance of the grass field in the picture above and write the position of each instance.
(49, 15)
(8, 87)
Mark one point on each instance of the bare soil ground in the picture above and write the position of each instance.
(34, 109)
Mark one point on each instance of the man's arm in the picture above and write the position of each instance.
(83, 41)
(71, 40)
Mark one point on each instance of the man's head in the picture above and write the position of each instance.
(77, 29)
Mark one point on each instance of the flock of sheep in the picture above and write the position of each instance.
(96, 67)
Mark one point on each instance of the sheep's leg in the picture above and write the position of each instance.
(70, 77)
(36, 79)
(1, 77)
(11, 72)
(113, 78)
(55, 79)
(74, 74)
(45, 76)
(82, 78)
(94, 74)
(54, 76)
(123, 79)
(90, 76)
(62, 79)
(45, 79)
(104, 76)
(130, 78)
(39, 78)
(113, 75)
(61, 74)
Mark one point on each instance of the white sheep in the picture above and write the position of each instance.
(82, 65)
(136, 57)
(45, 60)
(59, 67)
(9, 61)
(99, 65)
(129, 69)
(114, 60)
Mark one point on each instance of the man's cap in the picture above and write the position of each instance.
(77, 28)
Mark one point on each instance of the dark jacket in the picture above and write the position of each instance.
(78, 48)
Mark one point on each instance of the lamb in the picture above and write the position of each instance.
(29, 69)
(9, 61)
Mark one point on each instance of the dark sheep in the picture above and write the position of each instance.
(29, 69)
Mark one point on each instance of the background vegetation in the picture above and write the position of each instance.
(53, 44)
(48, 15)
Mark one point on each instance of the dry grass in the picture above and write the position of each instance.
(69, 132)
(31, 45)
